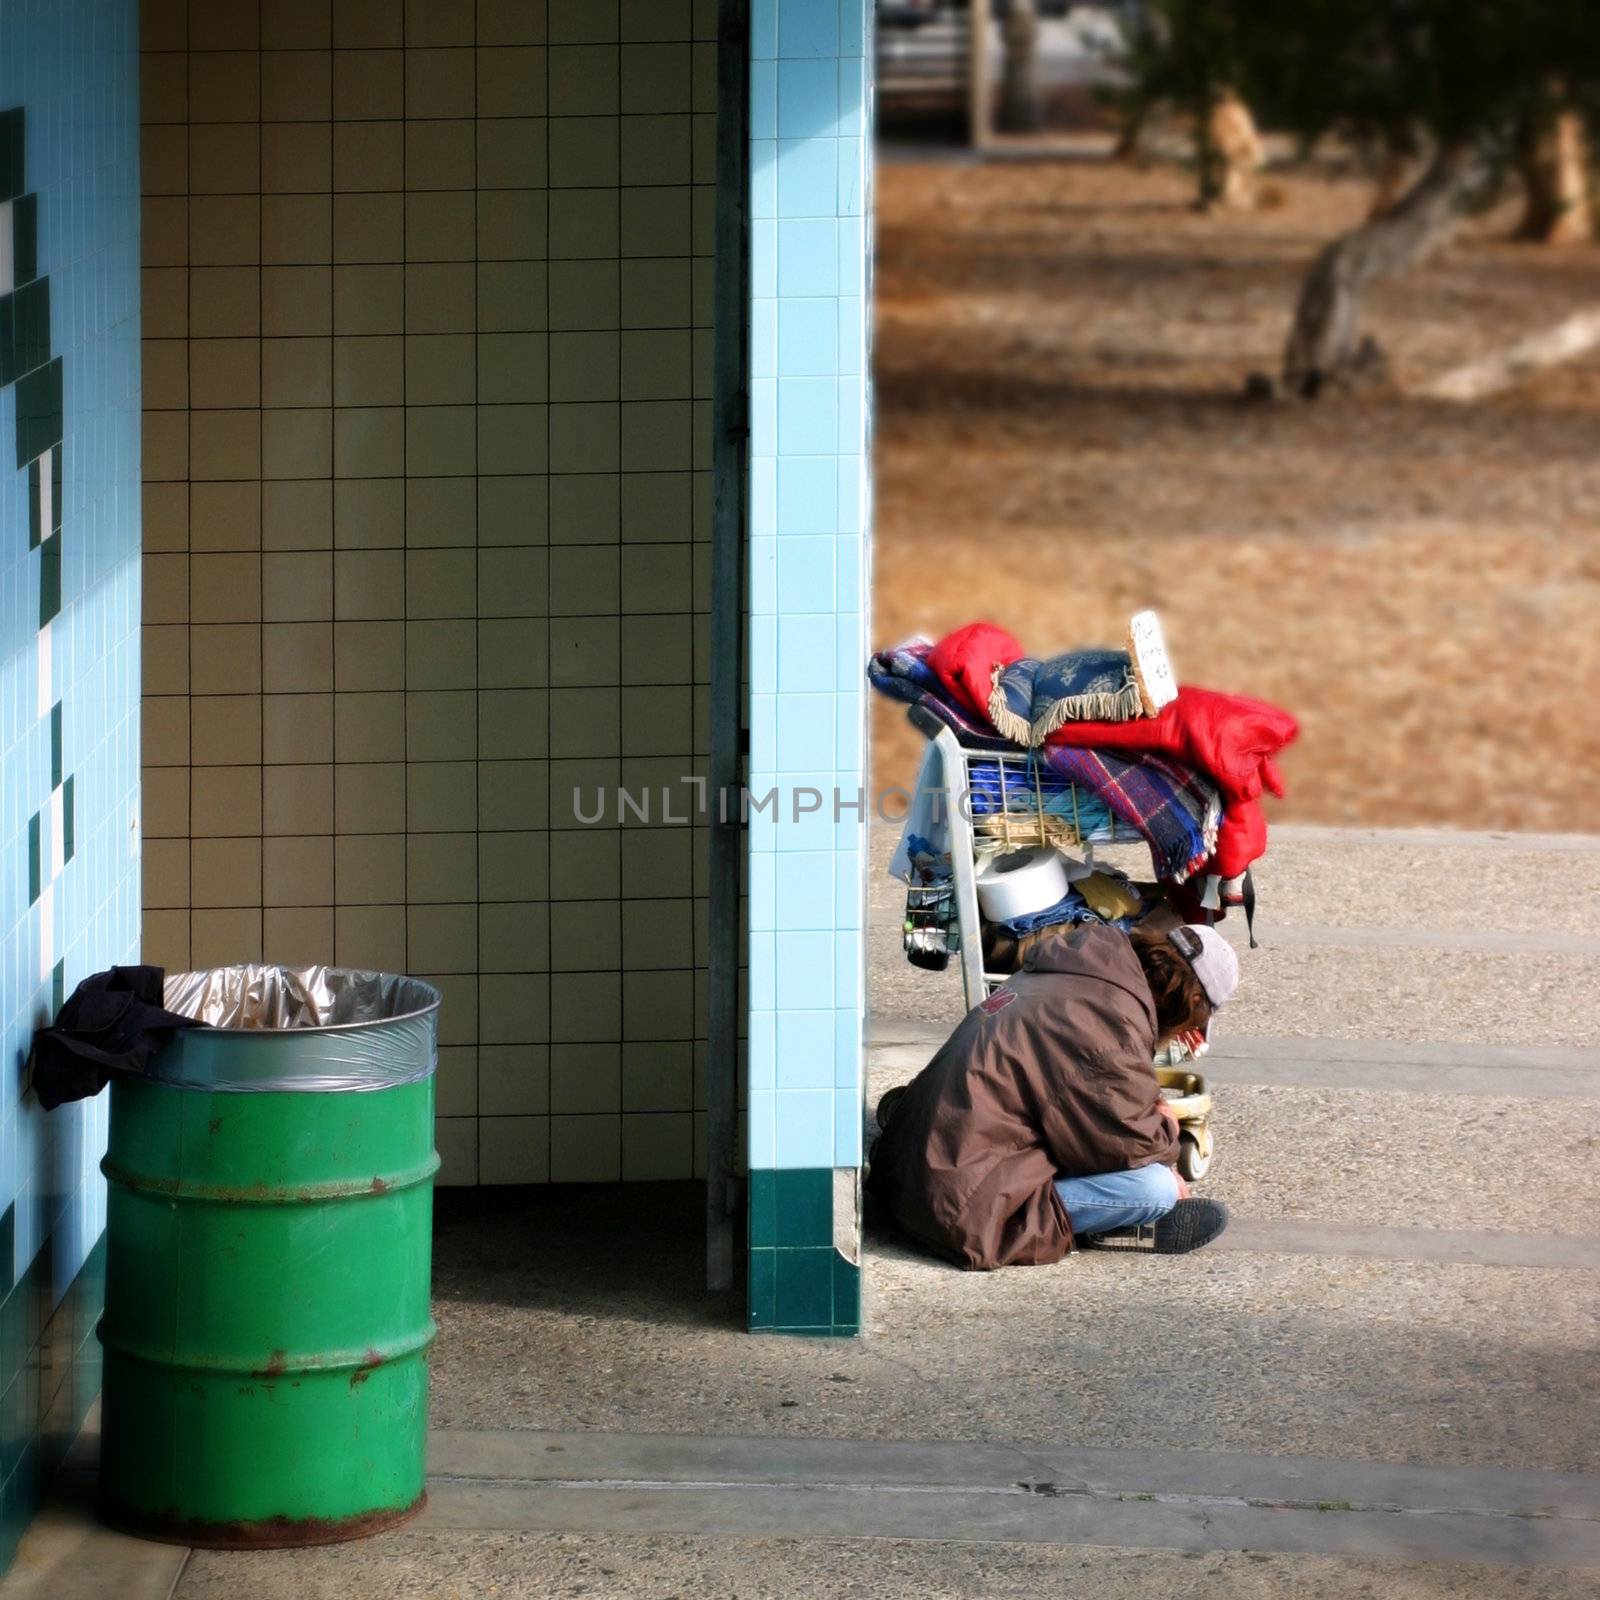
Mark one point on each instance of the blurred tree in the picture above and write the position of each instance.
(1465, 84)
(1187, 54)
(1553, 157)
(1463, 79)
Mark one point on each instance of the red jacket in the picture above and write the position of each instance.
(1229, 737)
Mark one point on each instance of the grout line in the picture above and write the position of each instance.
(188, 540)
(549, 914)
(622, 974)
(405, 554)
(261, 532)
(477, 647)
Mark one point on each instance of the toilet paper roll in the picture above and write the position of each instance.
(1020, 882)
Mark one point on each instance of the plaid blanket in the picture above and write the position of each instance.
(1174, 809)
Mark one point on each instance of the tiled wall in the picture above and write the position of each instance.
(69, 594)
(809, 557)
(427, 303)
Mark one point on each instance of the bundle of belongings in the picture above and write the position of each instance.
(1108, 736)
(113, 1022)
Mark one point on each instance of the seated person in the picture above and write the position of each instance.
(1040, 1122)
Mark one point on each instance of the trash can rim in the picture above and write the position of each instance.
(360, 1025)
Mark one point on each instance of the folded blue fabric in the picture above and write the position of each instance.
(1071, 908)
(1032, 698)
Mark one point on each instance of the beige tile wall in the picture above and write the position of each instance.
(427, 304)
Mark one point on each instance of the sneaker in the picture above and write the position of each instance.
(1189, 1225)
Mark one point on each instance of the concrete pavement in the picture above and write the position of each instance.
(1384, 1384)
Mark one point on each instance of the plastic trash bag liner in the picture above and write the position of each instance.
(299, 1029)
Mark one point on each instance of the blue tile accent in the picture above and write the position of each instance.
(766, 669)
(70, 406)
(809, 492)
(764, 240)
(764, 571)
(805, 1044)
(763, 1053)
(804, 732)
(763, 972)
(803, 819)
(852, 96)
(852, 473)
(805, 645)
(808, 99)
(808, 176)
(763, 1141)
(804, 1119)
(808, 338)
(850, 594)
(847, 670)
(804, 980)
(846, 1130)
(848, 894)
(763, 503)
(808, 28)
(855, 27)
(803, 884)
(806, 574)
(848, 975)
(763, 732)
(847, 1031)
(763, 100)
(763, 29)
(763, 192)
(807, 257)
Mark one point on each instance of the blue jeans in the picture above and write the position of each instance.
(1118, 1199)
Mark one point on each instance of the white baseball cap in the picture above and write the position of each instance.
(1212, 957)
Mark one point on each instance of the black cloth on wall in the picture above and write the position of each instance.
(112, 1022)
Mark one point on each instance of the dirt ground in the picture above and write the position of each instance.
(1060, 349)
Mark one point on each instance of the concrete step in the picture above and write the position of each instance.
(1038, 1494)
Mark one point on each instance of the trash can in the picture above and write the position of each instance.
(269, 1239)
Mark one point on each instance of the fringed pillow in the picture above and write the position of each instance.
(1032, 698)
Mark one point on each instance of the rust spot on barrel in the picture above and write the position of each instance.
(371, 1360)
(277, 1365)
(268, 1533)
(379, 1186)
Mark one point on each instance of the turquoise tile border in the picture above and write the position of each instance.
(810, 169)
(799, 1281)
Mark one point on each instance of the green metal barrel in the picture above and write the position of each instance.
(269, 1236)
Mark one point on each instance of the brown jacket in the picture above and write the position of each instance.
(1048, 1077)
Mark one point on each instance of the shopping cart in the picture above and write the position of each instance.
(998, 797)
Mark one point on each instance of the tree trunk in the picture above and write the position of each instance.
(1021, 108)
(1555, 177)
(1324, 347)
(1397, 171)
(1238, 154)
(1135, 125)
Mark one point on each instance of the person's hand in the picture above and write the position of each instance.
(1165, 1108)
(1183, 1187)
